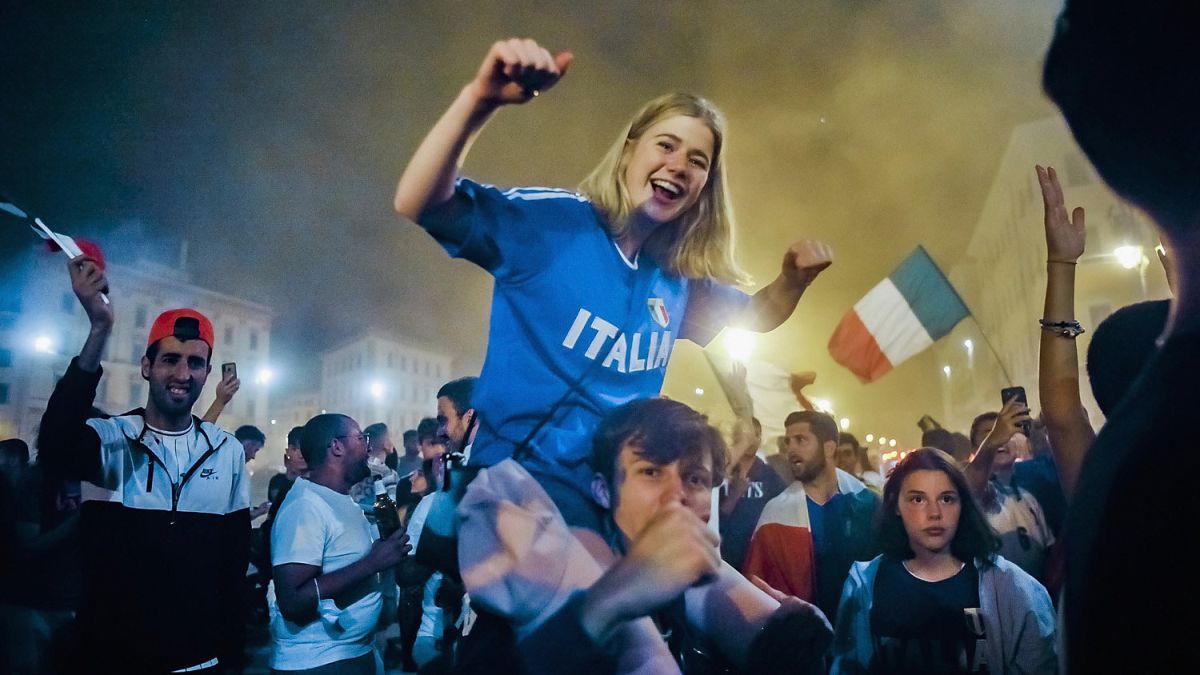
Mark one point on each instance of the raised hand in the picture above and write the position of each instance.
(804, 260)
(227, 387)
(1013, 416)
(90, 283)
(516, 70)
(1065, 236)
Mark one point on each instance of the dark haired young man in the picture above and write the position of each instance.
(164, 520)
(665, 601)
(325, 599)
(808, 536)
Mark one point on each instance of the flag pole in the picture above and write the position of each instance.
(983, 334)
(991, 348)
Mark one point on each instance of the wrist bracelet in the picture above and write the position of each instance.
(1068, 329)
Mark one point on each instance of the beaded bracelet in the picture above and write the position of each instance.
(1068, 329)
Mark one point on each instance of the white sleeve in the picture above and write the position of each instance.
(299, 534)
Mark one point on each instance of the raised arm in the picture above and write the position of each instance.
(1058, 365)
(775, 302)
(979, 470)
(226, 388)
(514, 71)
(65, 442)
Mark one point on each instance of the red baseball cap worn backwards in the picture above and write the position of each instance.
(183, 324)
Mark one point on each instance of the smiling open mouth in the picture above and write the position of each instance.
(666, 188)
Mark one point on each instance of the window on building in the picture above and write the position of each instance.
(253, 340)
(7, 320)
(68, 303)
(137, 351)
(5, 358)
(140, 318)
(3, 393)
(389, 360)
(228, 335)
(403, 363)
(250, 410)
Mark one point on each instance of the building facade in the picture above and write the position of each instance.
(377, 377)
(1003, 276)
(43, 326)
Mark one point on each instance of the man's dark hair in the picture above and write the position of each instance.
(410, 436)
(1122, 344)
(847, 437)
(249, 432)
(294, 436)
(15, 449)
(981, 426)
(822, 425)
(319, 432)
(427, 429)
(1125, 79)
(376, 431)
(153, 349)
(663, 431)
(974, 540)
(459, 392)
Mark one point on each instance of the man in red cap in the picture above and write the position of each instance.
(164, 521)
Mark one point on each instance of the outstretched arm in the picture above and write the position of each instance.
(1058, 365)
(514, 71)
(226, 388)
(775, 302)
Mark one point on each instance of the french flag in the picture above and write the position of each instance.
(905, 313)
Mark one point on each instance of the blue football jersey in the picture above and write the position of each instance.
(566, 305)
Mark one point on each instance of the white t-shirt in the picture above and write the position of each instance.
(431, 614)
(322, 527)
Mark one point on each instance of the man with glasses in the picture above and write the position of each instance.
(325, 599)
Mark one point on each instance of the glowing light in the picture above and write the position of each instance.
(946, 370)
(882, 440)
(323, 411)
(823, 405)
(844, 423)
(740, 344)
(43, 344)
(1129, 257)
(699, 391)
(265, 375)
(376, 390)
(870, 437)
(272, 421)
(892, 443)
(969, 345)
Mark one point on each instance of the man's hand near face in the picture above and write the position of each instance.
(674, 551)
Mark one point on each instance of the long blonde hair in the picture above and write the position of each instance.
(699, 245)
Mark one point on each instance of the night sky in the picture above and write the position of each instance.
(270, 135)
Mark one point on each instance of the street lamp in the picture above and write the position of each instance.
(740, 343)
(376, 390)
(844, 423)
(43, 344)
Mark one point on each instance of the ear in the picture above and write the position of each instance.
(830, 449)
(600, 491)
(335, 448)
(471, 412)
(146, 368)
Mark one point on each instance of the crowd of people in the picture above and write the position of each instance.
(556, 516)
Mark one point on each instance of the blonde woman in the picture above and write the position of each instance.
(592, 287)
